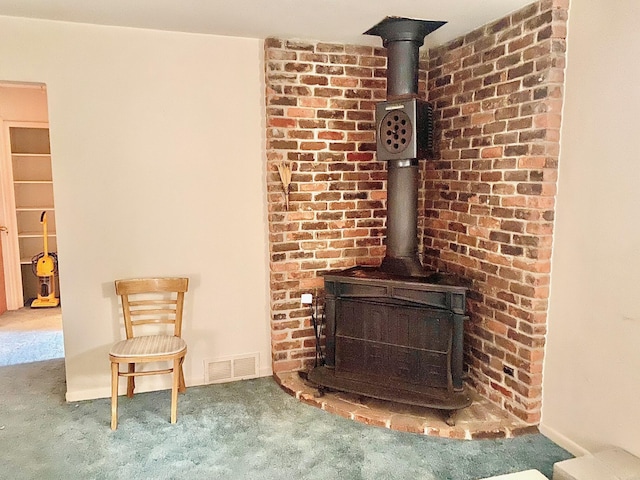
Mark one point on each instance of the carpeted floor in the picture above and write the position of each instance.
(30, 335)
(25, 347)
(241, 430)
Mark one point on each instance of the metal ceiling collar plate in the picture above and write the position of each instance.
(393, 29)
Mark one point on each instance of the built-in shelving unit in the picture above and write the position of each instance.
(33, 189)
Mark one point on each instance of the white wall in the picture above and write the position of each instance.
(157, 153)
(592, 367)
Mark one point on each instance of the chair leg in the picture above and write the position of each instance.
(181, 385)
(131, 381)
(174, 390)
(114, 395)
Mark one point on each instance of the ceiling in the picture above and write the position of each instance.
(340, 21)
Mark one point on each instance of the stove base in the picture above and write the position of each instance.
(422, 396)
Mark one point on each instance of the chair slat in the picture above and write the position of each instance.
(151, 321)
(142, 285)
(145, 373)
(155, 311)
(137, 303)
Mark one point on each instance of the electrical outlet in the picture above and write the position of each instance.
(306, 299)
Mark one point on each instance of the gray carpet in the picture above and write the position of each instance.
(29, 346)
(241, 430)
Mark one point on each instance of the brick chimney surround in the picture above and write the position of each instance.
(486, 200)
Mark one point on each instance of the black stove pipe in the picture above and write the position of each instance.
(401, 257)
(402, 38)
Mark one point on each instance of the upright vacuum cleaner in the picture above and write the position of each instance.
(45, 267)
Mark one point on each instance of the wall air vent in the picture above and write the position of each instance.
(229, 369)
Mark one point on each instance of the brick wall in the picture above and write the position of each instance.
(486, 203)
(320, 101)
(489, 195)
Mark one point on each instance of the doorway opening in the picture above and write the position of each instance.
(27, 194)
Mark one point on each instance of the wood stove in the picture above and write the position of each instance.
(396, 332)
(395, 338)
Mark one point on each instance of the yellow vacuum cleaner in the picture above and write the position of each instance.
(45, 267)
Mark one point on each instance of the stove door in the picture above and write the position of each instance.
(393, 343)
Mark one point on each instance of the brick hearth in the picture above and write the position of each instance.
(482, 419)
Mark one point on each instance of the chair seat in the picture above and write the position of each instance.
(148, 345)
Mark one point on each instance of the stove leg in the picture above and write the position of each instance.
(450, 417)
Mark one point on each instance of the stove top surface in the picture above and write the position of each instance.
(430, 277)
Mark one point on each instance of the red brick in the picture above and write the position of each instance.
(301, 112)
(331, 135)
(313, 102)
(313, 145)
(359, 156)
(288, 366)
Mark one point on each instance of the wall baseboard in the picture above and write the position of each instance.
(105, 392)
(566, 443)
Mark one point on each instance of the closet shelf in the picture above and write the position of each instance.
(35, 234)
(32, 182)
(37, 155)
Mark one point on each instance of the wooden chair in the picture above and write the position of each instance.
(149, 301)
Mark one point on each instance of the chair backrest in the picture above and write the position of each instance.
(152, 301)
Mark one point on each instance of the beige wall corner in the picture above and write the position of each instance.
(591, 381)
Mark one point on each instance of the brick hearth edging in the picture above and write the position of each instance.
(481, 420)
